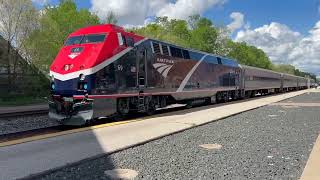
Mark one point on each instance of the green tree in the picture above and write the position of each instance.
(55, 24)
(284, 68)
(177, 32)
(173, 31)
(290, 69)
(193, 21)
(17, 21)
(197, 33)
(249, 55)
(111, 18)
(204, 36)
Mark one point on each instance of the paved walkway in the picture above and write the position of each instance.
(33, 157)
(270, 142)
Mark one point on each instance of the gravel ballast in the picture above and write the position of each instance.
(25, 123)
(271, 142)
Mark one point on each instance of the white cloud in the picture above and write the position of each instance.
(128, 12)
(284, 45)
(237, 23)
(136, 12)
(182, 9)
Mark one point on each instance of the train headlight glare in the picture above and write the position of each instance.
(82, 77)
(53, 86)
(85, 86)
(66, 67)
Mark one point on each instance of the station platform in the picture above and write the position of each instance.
(250, 141)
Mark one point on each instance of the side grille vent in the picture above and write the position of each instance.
(156, 48)
(165, 50)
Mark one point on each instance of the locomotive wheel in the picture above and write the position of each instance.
(189, 104)
(219, 97)
(123, 106)
(151, 107)
(210, 100)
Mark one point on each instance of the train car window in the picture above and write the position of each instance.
(211, 59)
(120, 40)
(165, 50)
(229, 62)
(130, 41)
(124, 41)
(96, 38)
(186, 54)
(176, 52)
(226, 62)
(219, 60)
(156, 48)
(73, 40)
(93, 38)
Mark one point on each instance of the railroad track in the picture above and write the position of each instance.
(23, 113)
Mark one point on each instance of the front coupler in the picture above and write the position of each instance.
(70, 111)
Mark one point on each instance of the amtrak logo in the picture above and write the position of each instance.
(162, 68)
(73, 55)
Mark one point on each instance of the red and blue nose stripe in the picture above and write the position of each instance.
(73, 86)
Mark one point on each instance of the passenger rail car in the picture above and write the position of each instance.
(103, 70)
(261, 81)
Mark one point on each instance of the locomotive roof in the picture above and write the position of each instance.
(268, 70)
(103, 28)
(196, 51)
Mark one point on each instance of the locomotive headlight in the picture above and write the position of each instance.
(66, 67)
(53, 86)
(82, 77)
(85, 86)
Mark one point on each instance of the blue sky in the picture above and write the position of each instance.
(299, 15)
(287, 30)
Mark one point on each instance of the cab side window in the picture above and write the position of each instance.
(130, 41)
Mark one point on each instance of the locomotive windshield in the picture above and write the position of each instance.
(83, 39)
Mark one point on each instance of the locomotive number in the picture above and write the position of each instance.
(120, 67)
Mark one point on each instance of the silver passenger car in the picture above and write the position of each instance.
(257, 80)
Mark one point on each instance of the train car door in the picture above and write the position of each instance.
(142, 78)
(281, 82)
(242, 84)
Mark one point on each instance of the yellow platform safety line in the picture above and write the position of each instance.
(312, 169)
(51, 135)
